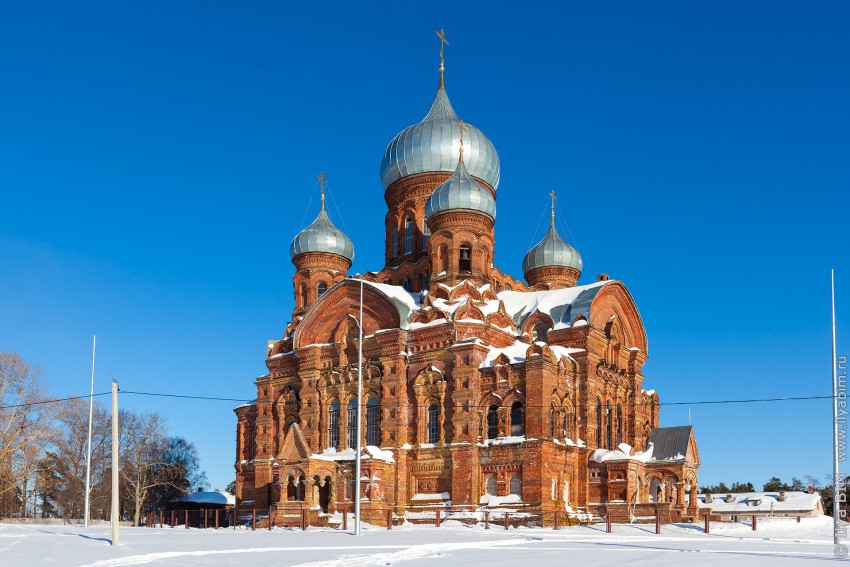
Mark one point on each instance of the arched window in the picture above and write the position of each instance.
(303, 294)
(424, 282)
(506, 287)
(516, 418)
(395, 242)
(253, 451)
(408, 235)
(540, 331)
(323, 287)
(351, 429)
(465, 262)
(425, 234)
(372, 433)
(599, 424)
(567, 423)
(553, 422)
(293, 408)
(407, 284)
(442, 259)
(492, 422)
(619, 424)
(516, 486)
(492, 486)
(433, 423)
(609, 427)
(333, 425)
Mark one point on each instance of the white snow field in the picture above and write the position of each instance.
(778, 541)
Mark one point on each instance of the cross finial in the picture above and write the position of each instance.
(324, 180)
(462, 125)
(443, 42)
(552, 194)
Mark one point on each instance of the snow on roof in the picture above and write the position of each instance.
(216, 497)
(744, 502)
(248, 404)
(675, 450)
(562, 305)
(405, 302)
(516, 353)
(369, 452)
(623, 452)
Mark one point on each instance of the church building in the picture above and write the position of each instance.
(480, 389)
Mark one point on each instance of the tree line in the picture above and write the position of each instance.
(43, 449)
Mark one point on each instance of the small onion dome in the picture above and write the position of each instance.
(460, 192)
(552, 251)
(432, 145)
(322, 236)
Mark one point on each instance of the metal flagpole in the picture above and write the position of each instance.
(359, 396)
(835, 480)
(88, 453)
(115, 512)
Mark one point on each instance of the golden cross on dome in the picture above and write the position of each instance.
(443, 42)
(324, 180)
(552, 194)
(462, 125)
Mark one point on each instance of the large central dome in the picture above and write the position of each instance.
(434, 144)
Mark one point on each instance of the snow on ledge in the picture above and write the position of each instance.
(490, 500)
(434, 496)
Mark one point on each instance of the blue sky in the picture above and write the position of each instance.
(156, 159)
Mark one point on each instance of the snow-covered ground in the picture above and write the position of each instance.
(778, 541)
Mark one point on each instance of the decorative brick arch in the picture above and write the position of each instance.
(614, 299)
(321, 323)
(534, 319)
(469, 311)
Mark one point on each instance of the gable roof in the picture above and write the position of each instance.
(670, 443)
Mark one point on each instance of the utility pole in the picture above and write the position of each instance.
(115, 511)
(88, 453)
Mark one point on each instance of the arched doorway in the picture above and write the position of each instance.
(654, 490)
(325, 494)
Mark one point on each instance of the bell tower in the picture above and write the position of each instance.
(461, 214)
(416, 162)
(322, 255)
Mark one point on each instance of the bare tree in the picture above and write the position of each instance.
(145, 462)
(66, 460)
(24, 425)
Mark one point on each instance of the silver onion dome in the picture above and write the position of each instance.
(433, 144)
(552, 251)
(460, 191)
(322, 236)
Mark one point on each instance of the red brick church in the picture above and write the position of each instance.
(479, 389)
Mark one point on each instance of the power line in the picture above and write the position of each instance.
(401, 404)
(54, 400)
(186, 396)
